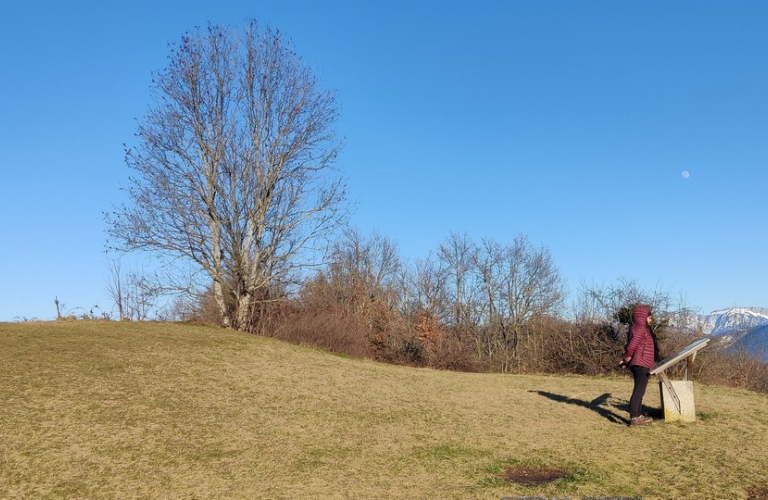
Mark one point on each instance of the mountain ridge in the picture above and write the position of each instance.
(741, 329)
(734, 321)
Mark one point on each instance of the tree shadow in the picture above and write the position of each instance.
(599, 405)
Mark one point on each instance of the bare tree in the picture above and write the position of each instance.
(457, 254)
(135, 293)
(233, 166)
(489, 266)
(362, 273)
(609, 307)
(520, 283)
(116, 288)
(533, 286)
(614, 302)
(427, 288)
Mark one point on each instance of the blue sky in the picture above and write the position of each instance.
(570, 122)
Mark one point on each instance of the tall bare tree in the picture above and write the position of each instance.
(234, 165)
(532, 287)
(489, 267)
(519, 283)
(457, 254)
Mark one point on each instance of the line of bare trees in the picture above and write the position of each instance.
(484, 296)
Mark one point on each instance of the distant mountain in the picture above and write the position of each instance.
(755, 343)
(734, 322)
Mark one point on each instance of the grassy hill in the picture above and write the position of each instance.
(126, 410)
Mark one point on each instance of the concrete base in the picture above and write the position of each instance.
(684, 391)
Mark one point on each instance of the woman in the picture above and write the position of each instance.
(639, 356)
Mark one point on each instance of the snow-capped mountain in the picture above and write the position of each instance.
(736, 329)
(735, 321)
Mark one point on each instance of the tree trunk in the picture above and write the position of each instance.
(244, 310)
(218, 294)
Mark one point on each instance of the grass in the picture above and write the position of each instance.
(97, 409)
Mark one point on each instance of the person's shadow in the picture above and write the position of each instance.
(599, 405)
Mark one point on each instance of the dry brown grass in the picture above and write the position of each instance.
(124, 410)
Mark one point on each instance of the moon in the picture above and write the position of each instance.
(685, 174)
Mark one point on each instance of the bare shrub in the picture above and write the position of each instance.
(445, 350)
(377, 333)
(201, 308)
(331, 329)
(399, 347)
(582, 347)
(454, 353)
(736, 369)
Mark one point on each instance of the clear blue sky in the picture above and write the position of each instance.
(568, 121)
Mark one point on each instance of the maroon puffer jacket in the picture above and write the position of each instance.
(639, 339)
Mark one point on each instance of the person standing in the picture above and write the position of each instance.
(639, 355)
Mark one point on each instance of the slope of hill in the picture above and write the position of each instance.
(151, 410)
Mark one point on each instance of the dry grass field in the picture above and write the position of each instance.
(95, 409)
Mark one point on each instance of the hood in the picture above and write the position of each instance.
(640, 315)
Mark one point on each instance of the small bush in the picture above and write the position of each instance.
(332, 330)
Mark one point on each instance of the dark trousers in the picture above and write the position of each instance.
(641, 375)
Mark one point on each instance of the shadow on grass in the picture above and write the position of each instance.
(599, 405)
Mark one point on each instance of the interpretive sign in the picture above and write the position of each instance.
(677, 396)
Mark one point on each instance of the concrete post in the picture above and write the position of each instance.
(684, 391)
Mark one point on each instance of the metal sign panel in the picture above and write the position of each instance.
(688, 351)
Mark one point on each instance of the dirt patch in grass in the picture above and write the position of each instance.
(532, 476)
(757, 492)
